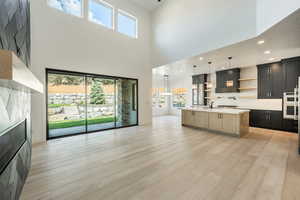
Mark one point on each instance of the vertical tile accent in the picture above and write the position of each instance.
(15, 27)
(17, 105)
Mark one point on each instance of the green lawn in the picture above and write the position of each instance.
(74, 123)
(57, 105)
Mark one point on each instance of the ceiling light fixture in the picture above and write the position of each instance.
(267, 52)
(201, 58)
(229, 62)
(260, 42)
(209, 64)
(166, 86)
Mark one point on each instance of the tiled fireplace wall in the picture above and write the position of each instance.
(14, 108)
(15, 27)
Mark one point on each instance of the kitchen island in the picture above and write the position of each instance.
(234, 122)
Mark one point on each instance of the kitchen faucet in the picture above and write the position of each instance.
(211, 104)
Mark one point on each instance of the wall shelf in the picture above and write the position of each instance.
(247, 97)
(210, 97)
(247, 79)
(249, 88)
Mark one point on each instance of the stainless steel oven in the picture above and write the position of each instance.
(290, 105)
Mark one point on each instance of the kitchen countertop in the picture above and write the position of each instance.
(260, 108)
(218, 110)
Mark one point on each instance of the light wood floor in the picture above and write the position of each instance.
(166, 161)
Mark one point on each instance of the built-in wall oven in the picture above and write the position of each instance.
(291, 105)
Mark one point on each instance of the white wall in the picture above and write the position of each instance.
(270, 12)
(62, 41)
(184, 28)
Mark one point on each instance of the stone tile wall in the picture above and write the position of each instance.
(14, 108)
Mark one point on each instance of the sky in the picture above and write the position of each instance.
(98, 13)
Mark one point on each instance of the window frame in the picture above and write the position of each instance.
(105, 4)
(132, 17)
(82, 10)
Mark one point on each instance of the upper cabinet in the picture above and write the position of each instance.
(228, 81)
(199, 89)
(270, 81)
(276, 78)
(291, 73)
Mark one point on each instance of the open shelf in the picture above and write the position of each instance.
(247, 79)
(248, 97)
(210, 97)
(249, 88)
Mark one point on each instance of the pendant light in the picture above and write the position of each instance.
(167, 91)
(229, 62)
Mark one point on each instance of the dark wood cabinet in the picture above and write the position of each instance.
(276, 120)
(276, 78)
(273, 80)
(291, 73)
(228, 81)
(270, 81)
(290, 125)
(264, 82)
(271, 119)
(266, 119)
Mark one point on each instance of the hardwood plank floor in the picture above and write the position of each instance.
(166, 161)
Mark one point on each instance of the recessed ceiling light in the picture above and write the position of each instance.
(201, 58)
(271, 59)
(261, 42)
(267, 52)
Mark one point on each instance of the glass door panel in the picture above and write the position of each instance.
(126, 102)
(100, 103)
(81, 103)
(66, 104)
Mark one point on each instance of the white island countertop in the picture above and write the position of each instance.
(218, 110)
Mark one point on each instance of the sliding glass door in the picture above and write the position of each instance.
(100, 103)
(79, 103)
(66, 104)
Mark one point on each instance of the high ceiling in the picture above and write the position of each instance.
(147, 4)
(282, 41)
